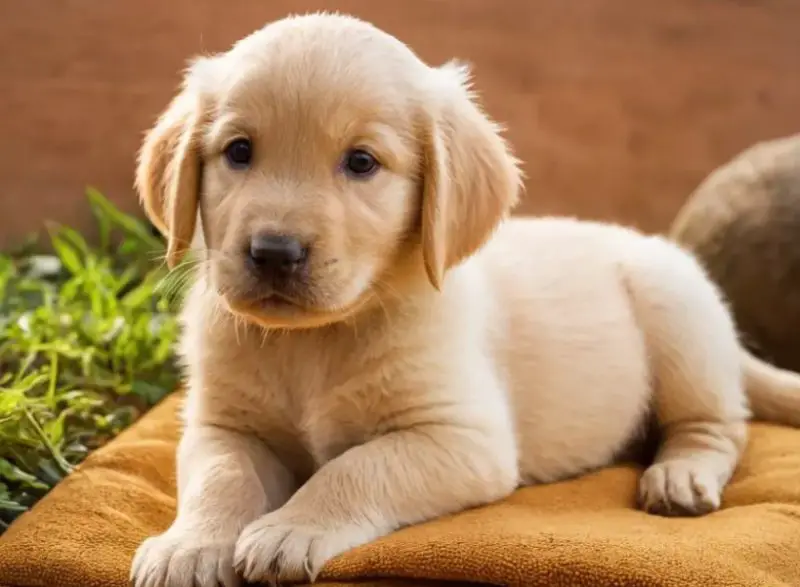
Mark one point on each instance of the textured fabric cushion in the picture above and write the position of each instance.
(581, 532)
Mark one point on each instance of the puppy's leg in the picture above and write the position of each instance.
(401, 478)
(225, 481)
(700, 400)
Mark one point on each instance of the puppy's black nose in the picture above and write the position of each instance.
(276, 254)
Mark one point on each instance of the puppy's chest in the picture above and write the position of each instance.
(316, 414)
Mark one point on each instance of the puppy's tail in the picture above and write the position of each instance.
(774, 393)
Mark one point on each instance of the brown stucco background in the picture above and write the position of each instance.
(618, 108)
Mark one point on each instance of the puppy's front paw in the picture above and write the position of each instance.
(679, 488)
(280, 547)
(190, 559)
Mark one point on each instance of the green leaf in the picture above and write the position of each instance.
(49, 472)
(150, 393)
(54, 429)
(103, 207)
(74, 238)
(11, 506)
(12, 473)
(138, 296)
(68, 255)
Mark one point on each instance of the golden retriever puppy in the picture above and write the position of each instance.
(362, 356)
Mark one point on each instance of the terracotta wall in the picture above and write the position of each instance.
(618, 108)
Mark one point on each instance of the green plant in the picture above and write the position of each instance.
(86, 339)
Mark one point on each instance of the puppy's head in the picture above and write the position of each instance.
(320, 154)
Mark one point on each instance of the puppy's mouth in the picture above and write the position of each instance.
(280, 309)
(277, 301)
(268, 300)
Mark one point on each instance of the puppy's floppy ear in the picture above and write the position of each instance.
(169, 168)
(471, 180)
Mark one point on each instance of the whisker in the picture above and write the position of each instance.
(264, 336)
(385, 310)
(354, 325)
(388, 288)
(217, 311)
(236, 329)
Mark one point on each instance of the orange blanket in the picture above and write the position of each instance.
(581, 532)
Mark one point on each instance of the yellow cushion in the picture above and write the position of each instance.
(581, 532)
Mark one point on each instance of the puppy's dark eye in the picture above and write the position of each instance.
(239, 153)
(359, 164)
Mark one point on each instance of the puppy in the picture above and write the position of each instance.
(362, 356)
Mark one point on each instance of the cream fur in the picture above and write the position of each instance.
(449, 355)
